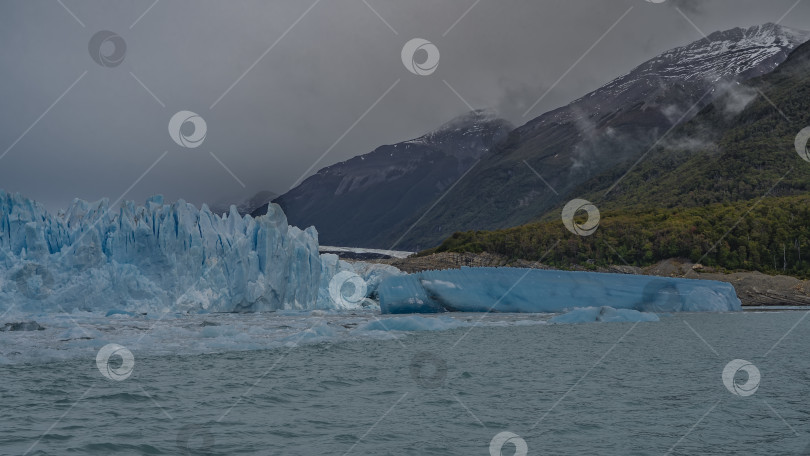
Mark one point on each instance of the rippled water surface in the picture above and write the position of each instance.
(604, 388)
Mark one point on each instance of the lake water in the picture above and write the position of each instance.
(262, 384)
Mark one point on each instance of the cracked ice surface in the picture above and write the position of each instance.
(160, 258)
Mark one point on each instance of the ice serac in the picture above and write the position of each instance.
(159, 258)
(536, 290)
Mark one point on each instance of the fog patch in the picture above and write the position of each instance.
(734, 98)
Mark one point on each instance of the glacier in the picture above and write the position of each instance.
(161, 257)
(503, 289)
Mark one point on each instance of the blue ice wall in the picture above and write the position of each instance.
(537, 290)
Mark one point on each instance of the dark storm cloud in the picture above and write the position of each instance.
(283, 97)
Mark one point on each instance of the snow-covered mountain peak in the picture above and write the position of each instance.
(725, 54)
(688, 71)
(760, 34)
(470, 124)
(478, 117)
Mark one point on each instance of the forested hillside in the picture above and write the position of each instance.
(727, 189)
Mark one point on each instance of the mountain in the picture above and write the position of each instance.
(368, 200)
(737, 149)
(607, 129)
(245, 206)
(736, 198)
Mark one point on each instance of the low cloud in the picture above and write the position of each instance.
(689, 144)
(734, 97)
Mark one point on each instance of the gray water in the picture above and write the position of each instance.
(603, 388)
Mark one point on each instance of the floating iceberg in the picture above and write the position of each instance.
(536, 290)
(412, 323)
(603, 314)
(161, 258)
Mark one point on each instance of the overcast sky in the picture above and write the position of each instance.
(281, 83)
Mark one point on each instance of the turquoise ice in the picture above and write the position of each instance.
(536, 290)
(160, 258)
